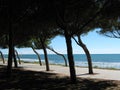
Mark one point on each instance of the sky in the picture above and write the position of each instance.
(97, 44)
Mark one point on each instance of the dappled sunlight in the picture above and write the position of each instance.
(33, 80)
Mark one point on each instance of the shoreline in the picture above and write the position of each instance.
(94, 67)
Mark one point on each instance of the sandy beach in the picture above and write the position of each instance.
(80, 72)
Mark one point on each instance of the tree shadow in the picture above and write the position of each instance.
(32, 80)
(86, 74)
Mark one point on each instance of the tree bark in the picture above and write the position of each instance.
(87, 54)
(45, 55)
(37, 56)
(70, 57)
(18, 57)
(59, 55)
(10, 54)
(15, 60)
(2, 57)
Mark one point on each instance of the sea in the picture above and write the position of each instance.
(98, 60)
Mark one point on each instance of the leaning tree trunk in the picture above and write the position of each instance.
(37, 56)
(15, 60)
(59, 55)
(87, 54)
(70, 57)
(2, 57)
(45, 55)
(18, 57)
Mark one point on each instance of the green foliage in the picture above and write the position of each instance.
(109, 20)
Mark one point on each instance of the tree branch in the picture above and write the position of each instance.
(75, 40)
(91, 19)
(58, 54)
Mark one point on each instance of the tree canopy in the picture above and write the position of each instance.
(23, 20)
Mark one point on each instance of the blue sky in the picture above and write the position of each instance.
(97, 44)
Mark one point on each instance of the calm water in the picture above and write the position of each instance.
(99, 60)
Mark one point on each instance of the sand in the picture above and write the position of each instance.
(80, 72)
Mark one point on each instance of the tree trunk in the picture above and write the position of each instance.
(87, 54)
(10, 54)
(15, 60)
(2, 57)
(37, 56)
(70, 57)
(45, 55)
(18, 56)
(59, 55)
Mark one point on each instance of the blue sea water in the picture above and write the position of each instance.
(98, 60)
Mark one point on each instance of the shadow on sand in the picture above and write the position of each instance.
(32, 80)
(86, 74)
